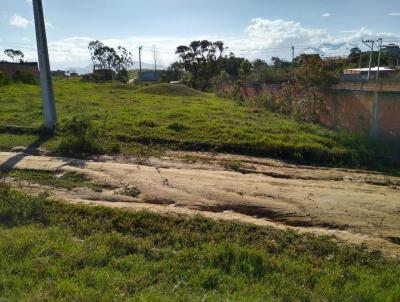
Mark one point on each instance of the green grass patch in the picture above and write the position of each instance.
(127, 120)
(48, 178)
(69, 180)
(53, 251)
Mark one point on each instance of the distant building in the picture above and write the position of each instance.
(58, 73)
(10, 69)
(149, 76)
(362, 73)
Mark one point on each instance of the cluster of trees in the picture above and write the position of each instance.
(15, 55)
(201, 61)
(117, 60)
(390, 56)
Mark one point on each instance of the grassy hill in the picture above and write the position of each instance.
(52, 251)
(126, 118)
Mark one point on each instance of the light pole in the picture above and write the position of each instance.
(49, 108)
(140, 63)
(379, 58)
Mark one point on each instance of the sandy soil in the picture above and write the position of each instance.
(355, 206)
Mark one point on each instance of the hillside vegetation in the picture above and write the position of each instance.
(124, 119)
(53, 251)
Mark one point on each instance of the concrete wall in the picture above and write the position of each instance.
(363, 107)
(11, 68)
(372, 112)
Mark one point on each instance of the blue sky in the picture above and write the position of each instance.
(252, 28)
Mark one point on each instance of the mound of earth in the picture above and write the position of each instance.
(171, 90)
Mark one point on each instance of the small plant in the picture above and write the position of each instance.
(178, 127)
(147, 124)
(130, 191)
(233, 165)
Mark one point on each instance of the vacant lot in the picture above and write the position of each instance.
(179, 118)
(52, 251)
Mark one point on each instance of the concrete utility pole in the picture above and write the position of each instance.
(368, 42)
(379, 57)
(155, 62)
(49, 108)
(140, 63)
(292, 54)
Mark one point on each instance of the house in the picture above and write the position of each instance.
(362, 73)
(10, 69)
(58, 73)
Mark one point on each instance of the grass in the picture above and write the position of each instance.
(53, 251)
(132, 120)
(171, 90)
(47, 178)
(68, 181)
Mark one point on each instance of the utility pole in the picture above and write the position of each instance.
(140, 63)
(293, 62)
(293, 55)
(49, 108)
(379, 57)
(368, 42)
(155, 62)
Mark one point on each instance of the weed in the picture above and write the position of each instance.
(178, 127)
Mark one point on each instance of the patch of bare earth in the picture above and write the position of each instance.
(355, 206)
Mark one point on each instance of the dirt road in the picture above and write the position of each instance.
(355, 206)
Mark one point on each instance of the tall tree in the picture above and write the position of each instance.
(106, 57)
(202, 59)
(15, 55)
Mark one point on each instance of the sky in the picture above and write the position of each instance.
(250, 28)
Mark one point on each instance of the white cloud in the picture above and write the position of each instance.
(274, 33)
(264, 39)
(326, 15)
(19, 21)
(394, 14)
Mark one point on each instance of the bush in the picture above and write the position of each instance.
(178, 127)
(123, 76)
(25, 77)
(79, 139)
(4, 80)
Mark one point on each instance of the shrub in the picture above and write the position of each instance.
(178, 127)
(25, 77)
(79, 138)
(123, 76)
(148, 124)
(4, 80)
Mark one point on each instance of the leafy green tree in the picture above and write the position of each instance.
(173, 73)
(245, 68)
(355, 55)
(232, 64)
(105, 57)
(280, 63)
(202, 59)
(259, 64)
